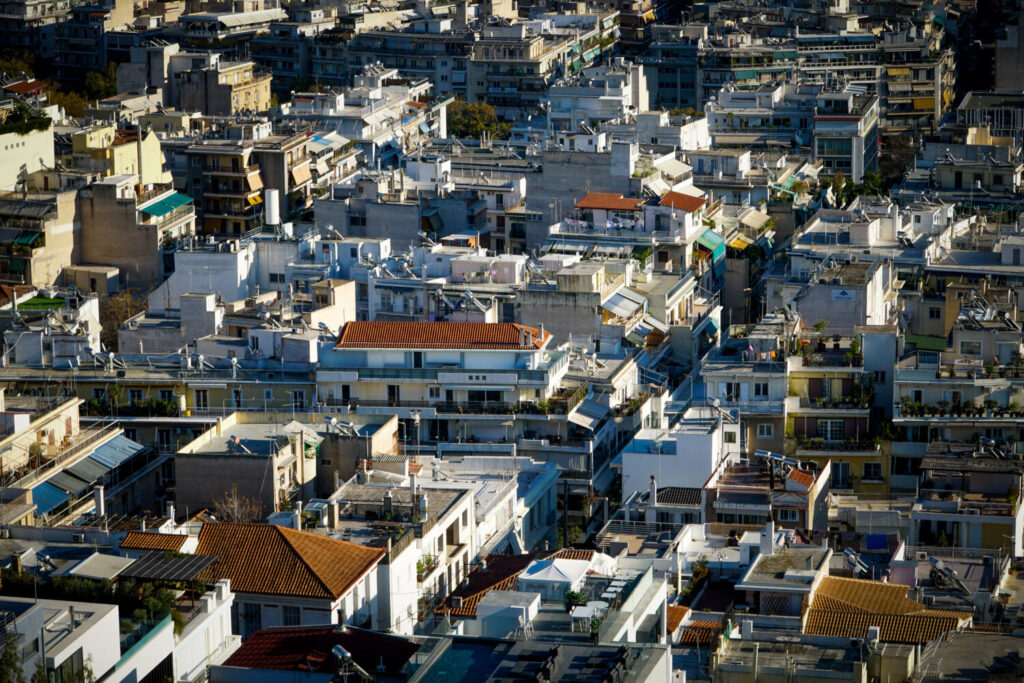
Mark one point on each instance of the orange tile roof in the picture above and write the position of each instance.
(437, 335)
(674, 615)
(802, 477)
(274, 560)
(25, 87)
(859, 595)
(846, 608)
(149, 540)
(609, 202)
(894, 628)
(572, 554)
(683, 202)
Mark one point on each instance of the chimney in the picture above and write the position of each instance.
(768, 539)
(142, 525)
(389, 503)
(332, 515)
(99, 501)
(747, 629)
(651, 516)
(16, 563)
(423, 507)
(171, 511)
(71, 616)
(412, 487)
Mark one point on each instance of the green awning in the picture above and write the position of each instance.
(16, 265)
(167, 204)
(744, 74)
(923, 342)
(713, 242)
(574, 65)
(591, 53)
(29, 239)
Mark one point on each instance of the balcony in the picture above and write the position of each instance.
(837, 403)
(849, 446)
(965, 503)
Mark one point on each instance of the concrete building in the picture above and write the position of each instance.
(131, 227)
(223, 88)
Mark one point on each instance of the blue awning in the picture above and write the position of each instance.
(116, 451)
(713, 242)
(47, 497)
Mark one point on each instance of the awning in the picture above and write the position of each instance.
(29, 239)
(709, 325)
(744, 74)
(255, 199)
(433, 219)
(673, 168)
(88, 469)
(16, 265)
(70, 483)
(424, 128)
(741, 242)
(253, 182)
(925, 342)
(591, 53)
(116, 451)
(713, 242)
(574, 65)
(924, 103)
(624, 304)
(47, 498)
(164, 206)
(899, 71)
(588, 414)
(301, 174)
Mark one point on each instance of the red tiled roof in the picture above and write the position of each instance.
(893, 628)
(309, 650)
(437, 335)
(683, 202)
(502, 573)
(609, 202)
(802, 477)
(148, 540)
(274, 560)
(674, 615)
(24, 87)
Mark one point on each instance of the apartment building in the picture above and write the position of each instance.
(37, 238)
(28, 25)
(225, 31)
(225, 180)
(287, 48)
(133, 227)
(224, 88)
(114, 151)
(80, 45)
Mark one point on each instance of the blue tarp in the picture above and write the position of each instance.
(116, 451)
(47, 497)
(875, 542)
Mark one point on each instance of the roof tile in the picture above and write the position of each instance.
(439, 335)
(609, 202)
(309, 650)
(683, 202)
(274, 560)
(148, 540)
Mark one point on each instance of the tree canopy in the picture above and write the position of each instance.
(473, 119)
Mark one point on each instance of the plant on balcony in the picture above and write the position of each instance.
(990, 406)
(574, 598)
(1015, 409)
(943, 407)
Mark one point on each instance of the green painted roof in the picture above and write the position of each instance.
(924, 342)
(167, 204)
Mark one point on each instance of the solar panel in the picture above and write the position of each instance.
(158, 565)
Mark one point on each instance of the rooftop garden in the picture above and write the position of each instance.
(23, 120)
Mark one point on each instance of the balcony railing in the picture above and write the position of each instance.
(961, 502)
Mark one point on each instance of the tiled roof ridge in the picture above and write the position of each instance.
(302, 557)
(290, 535)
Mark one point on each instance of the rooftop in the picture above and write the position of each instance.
(308, 650)
(440, 335)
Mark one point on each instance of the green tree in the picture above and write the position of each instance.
(72, 103)
(114, 310)
(11, 670)
(101, 84)
(473, 119)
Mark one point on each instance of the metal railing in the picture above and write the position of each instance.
(85, 439)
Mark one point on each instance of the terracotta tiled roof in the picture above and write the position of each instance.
(802, 477)
(674, 616)
(572, 554)
(274, 560)
(148, 540)
(858, 595)
(848, 607)
(894, 628)
(438, 335)
(700, 632)
(609, 202)
(24, 87)
(683, 202)
(309, 650)
(502, 573)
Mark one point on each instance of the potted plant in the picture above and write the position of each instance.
(943, 407)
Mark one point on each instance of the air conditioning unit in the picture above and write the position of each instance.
(922, 556)
(77, 538)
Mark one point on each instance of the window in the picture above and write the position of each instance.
(163, 438)
(298, 401)
(132, 434)
(873, 471)
(878, 376)
(934, 313)
(761, 389)
(729, 437)
(202, 397)
(268, 394)
(840, 475)
(99, 393)
(765, 430)
(830, 430)
(789, 515)
(291, 616)
(236, 398)
(135, 395)
(970, 348)
(434, 392)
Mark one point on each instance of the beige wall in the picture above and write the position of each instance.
(21, 155)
